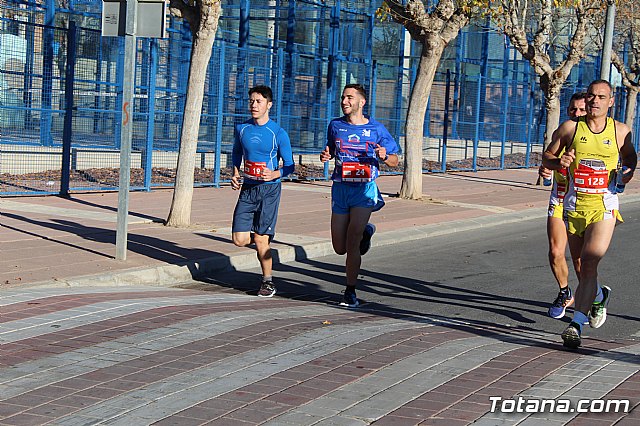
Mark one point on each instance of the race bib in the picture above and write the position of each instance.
(254, 169)
(561, 190)
(356, 172)
(591, 177)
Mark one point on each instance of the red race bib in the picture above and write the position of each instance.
(591, 180)
(254, 169)
(356, 172)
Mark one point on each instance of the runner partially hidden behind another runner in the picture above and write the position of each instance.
(593, 148)
(556, 229)
(261, 142)
(359, 144)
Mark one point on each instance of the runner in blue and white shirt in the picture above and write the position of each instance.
(358, 143)
(261, 143)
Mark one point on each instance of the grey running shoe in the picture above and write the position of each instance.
(365, 243)
(562, 302)
(267, 289)
(598, 311)
(349, 299)
(571, 336)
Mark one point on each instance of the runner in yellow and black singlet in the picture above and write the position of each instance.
(593, 148)
(590, 193)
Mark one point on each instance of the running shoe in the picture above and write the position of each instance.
(267, 289)
(562, 302)
(598, 311)
(571, 336)
(349, 299)
(365, 243)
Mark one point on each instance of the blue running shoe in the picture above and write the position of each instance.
(562, 302)
(365, 243)
(349, 299)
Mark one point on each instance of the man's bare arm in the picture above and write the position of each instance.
(628, 155)
(560, 139)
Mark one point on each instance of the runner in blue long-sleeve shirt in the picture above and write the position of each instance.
(261, 143)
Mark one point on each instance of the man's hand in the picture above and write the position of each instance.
(381, 152)
(325, 155)
(545, 173)
(236, 182)
(568, 158)
(268, 174)
(627, 175)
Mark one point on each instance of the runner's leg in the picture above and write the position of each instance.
(358, 219)
(557, 234)
(263, 249)
(596, 240)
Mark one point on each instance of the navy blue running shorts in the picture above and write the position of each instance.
(257, 209)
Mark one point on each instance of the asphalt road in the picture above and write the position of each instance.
(497, 276)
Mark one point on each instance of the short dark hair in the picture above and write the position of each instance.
(358, 87)
(265, 91)
(577, 96)
(601, 81)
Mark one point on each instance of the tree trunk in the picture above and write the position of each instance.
(414, 130)
(552, 105)
(180, 212)
(632, 99)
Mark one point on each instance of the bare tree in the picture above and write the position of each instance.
(202, 16)
(533, 36)
(628, 29)
(434, 30)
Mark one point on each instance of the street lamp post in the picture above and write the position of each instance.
(607, 45)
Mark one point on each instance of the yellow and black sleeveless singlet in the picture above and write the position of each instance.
(592, 173)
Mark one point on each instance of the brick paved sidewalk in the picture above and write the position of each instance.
(138, 356)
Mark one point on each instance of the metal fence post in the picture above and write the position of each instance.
(334, 45)
(529, 128)
(147, 155)
(67, 130)
(505, 113)
(445, 131)
(373, 91)
(476, 135)
(47, 76)
(219, 116)
(280, 86)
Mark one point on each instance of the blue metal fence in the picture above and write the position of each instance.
(61, 96)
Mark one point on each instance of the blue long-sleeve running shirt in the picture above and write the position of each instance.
(261, 146)
(354, 149)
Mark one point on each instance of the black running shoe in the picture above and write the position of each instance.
(365, 243)
(267, 289)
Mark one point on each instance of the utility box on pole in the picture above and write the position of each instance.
(131, 19)
(114, 18)
(151, 18)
